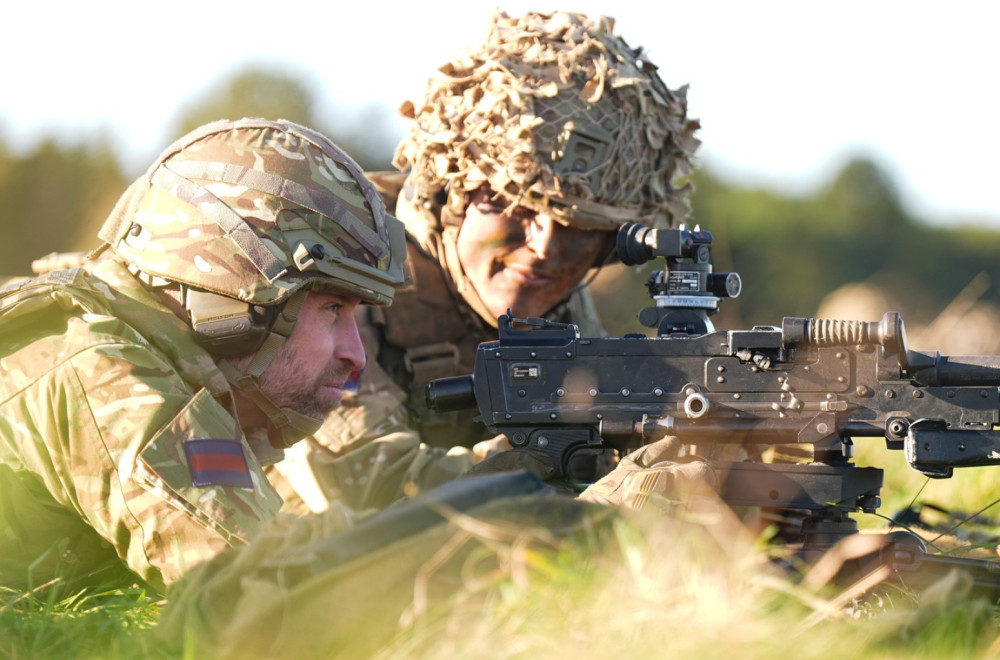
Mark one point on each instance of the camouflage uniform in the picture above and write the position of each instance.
(562, 117)
(119, 440)
(105, 482)
(121, 454)
(103, 388)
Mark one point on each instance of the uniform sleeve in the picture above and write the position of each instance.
(297, 591)
(367, 475)
(120, 440)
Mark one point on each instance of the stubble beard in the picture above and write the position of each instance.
(283, 383)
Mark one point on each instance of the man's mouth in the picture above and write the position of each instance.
(335, 381)
(529, 276)
(333, 385)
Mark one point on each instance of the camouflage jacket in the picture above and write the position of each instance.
(383, 443)
(119, 446)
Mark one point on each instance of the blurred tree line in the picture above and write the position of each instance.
(851, 241)
(56, 196)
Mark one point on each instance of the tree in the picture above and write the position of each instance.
(54, 199)
(862, 199)
(254, 92)
(273, 94)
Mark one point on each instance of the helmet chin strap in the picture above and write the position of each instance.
(453, 265)
(285, 426)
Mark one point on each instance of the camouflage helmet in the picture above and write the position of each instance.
(250, 212)
(561, 116)
(254, 210)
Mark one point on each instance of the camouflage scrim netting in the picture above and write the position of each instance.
(255, 210)
(563, 117)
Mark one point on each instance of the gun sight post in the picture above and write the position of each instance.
(685, 290)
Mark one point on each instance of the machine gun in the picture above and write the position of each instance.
(819, 383)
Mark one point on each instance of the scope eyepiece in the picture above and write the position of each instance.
(631, 243)
(636, 244)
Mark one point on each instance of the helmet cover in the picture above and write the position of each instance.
(255, 210)
(561, 116)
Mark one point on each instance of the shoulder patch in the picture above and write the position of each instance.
(217, 462)
(167, 468)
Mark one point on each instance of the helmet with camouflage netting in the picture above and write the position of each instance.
(558, 114)
(245, 214)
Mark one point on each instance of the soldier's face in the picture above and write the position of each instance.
(520, 259)
(311, 367)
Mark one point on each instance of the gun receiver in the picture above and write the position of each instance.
(814, 382)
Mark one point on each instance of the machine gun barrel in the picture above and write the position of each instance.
(923, 368)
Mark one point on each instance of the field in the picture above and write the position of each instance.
(666, 587)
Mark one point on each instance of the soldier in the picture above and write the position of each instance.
(143, 391)
(524, 158)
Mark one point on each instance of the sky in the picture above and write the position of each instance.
(786, 91)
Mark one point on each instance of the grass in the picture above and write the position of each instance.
(963, 511)
(680, 592)
(687, 588)
(96, 623)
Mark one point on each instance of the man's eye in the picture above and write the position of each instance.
(515, 214)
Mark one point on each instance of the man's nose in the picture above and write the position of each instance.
(348, 346)
(541, 236)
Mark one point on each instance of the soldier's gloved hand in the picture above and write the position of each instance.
(486, 448)
(651, 475)
(516, 459)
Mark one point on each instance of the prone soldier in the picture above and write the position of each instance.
(144, 389)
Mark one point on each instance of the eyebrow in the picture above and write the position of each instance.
(327, 296)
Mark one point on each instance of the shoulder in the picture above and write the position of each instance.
(200, 458)
(49, 321)
(424, 311)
